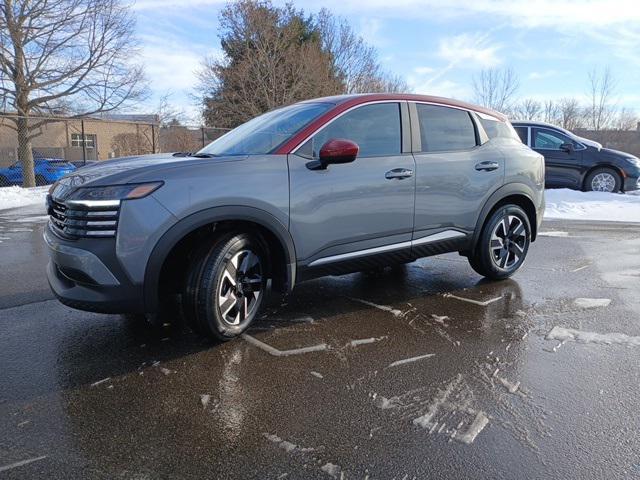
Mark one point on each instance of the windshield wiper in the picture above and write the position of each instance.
(196, 155)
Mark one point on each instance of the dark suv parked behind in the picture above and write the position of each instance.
(321, 187)
(579, 163)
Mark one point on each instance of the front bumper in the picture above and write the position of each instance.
(85, 274)
(631, 183)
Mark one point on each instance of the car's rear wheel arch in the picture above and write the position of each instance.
(168, 262)
(500, 199)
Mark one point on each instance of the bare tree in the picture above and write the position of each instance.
(601, 110)
(71, 56)
(496, 88)
(569, 114)
(528, 109)
(355, 61)
(168, 113)
(626, 120)
(550, 112)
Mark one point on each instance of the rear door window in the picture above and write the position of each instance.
(445, 129)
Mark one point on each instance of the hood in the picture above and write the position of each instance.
(616, 153)
(132, 169)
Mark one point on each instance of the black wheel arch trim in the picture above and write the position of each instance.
(505, 191)
(204, 217)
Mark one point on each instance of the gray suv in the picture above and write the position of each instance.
(322, 187)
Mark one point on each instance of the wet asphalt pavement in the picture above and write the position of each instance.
(424, 371)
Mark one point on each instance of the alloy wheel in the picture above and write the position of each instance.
(508, 242)
(240, 288)
(603, 182)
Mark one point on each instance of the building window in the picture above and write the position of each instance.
(89, 140)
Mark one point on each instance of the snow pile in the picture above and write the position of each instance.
(565, 334)
(574, 205)
(592, 302)
(14, 197)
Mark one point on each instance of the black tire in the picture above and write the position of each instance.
(233, 266)
(603, 180)
(499, 253)
(4, 181)
(40, 181)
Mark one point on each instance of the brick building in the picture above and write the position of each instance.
(93, 138)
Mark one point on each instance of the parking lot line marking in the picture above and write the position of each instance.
(592, 302)
(553, 233)
(580, 268)
(95, 384)
(366, 341)
(410, 360)
(395, 312)
(21, 463)
(474, 430)
(283, 353)
(469, 300)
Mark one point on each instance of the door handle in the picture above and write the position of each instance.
(398, 173)
(487, 166)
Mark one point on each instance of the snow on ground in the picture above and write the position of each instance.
(565, 334)
(14, 197)
(561, 203)
(574, 205)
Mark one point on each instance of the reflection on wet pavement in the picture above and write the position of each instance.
(423, 371)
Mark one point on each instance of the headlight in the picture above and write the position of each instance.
(634, 161)
(111, 195)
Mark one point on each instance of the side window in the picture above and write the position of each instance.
(549, 140)
(523, 134)
(444, 129)
(375, 128)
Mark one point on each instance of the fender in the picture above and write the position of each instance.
(203, 217)
(501, 193)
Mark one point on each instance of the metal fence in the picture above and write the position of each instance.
(61, 144)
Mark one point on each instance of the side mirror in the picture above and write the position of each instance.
(566, 147)
(335, 151)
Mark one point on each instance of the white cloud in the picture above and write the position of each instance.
(444, 88)
(472, 50)
(424, 70)
(540, 13)
(541, 75)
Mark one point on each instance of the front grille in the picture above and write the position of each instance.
(82, 222)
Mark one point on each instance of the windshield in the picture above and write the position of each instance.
(267, 132)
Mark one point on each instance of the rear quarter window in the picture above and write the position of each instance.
(523, 133)
(498, 129)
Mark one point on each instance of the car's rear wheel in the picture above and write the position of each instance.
(503, 243)
(603, 180)
(225, 286)
(4, 181)
(40, 180)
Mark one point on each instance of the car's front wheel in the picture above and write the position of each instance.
(603, 180)
(503, 244)
(225, 286)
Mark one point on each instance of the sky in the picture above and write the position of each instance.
(437, 46)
